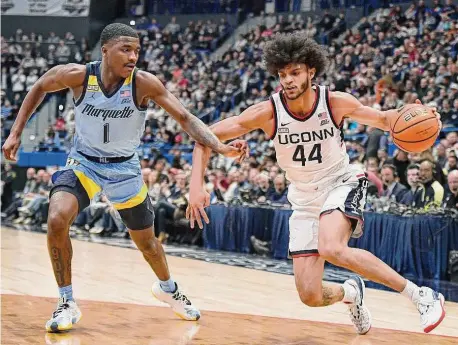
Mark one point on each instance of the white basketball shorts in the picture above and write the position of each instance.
(346, 193)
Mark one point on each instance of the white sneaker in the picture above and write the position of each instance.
(430, 304)
(359, 314)
(180, 304)
(66, 314)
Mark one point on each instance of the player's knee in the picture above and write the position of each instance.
(58, 222)
(149, 248)
(310, 297)
(332, 252)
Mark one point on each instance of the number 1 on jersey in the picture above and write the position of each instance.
(106, 133)
(315, 154)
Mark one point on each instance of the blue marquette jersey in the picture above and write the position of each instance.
(107, 124)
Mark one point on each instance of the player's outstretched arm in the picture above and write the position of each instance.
(57, 78)
(344, 105)
(151, 88)
(258, 116)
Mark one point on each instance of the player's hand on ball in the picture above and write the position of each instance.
(198, 200)
(434, 110)
(415, 127)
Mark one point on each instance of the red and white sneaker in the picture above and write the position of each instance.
(430, 304)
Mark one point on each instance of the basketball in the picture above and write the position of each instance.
(415, 129)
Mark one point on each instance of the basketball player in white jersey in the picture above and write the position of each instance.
(327, 194)
(110, 99)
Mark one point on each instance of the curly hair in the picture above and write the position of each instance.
(284, 49)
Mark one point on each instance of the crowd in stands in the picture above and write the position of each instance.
(24, 58)
(179, 57)
(388, 61)
(28, 206)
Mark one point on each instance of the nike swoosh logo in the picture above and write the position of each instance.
(286, 124)
(345, 180)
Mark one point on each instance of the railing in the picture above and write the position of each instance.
(155, 7)
(43, 46)
(327, 4)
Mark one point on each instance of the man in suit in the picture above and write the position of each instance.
(392, 187)
(413, 179)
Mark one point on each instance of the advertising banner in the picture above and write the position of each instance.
(64, 8)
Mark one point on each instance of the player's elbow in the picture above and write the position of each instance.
(39, 87)
(37, 92)
(185, 120)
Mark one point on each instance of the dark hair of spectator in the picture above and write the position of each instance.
(285, 49)
(413, 166)
(116, 30)
(391, 167)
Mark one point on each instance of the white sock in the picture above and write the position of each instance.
(349, 293)
(168, 285)
(411, 291)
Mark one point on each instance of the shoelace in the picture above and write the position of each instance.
(60, 308)
(356, 305)
(359, 321)
(358, 312)
(423, 307)
(356, 315)
(178, 296)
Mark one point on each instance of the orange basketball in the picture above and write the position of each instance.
(415, 129)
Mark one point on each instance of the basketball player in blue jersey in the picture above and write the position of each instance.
(110, 102)
(326, 192)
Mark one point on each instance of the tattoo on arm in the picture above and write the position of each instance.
(154, 90)
(201, 133)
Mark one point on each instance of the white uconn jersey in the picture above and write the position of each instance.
(107, 125)
(310, 150)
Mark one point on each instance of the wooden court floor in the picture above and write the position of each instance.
(239, 306)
